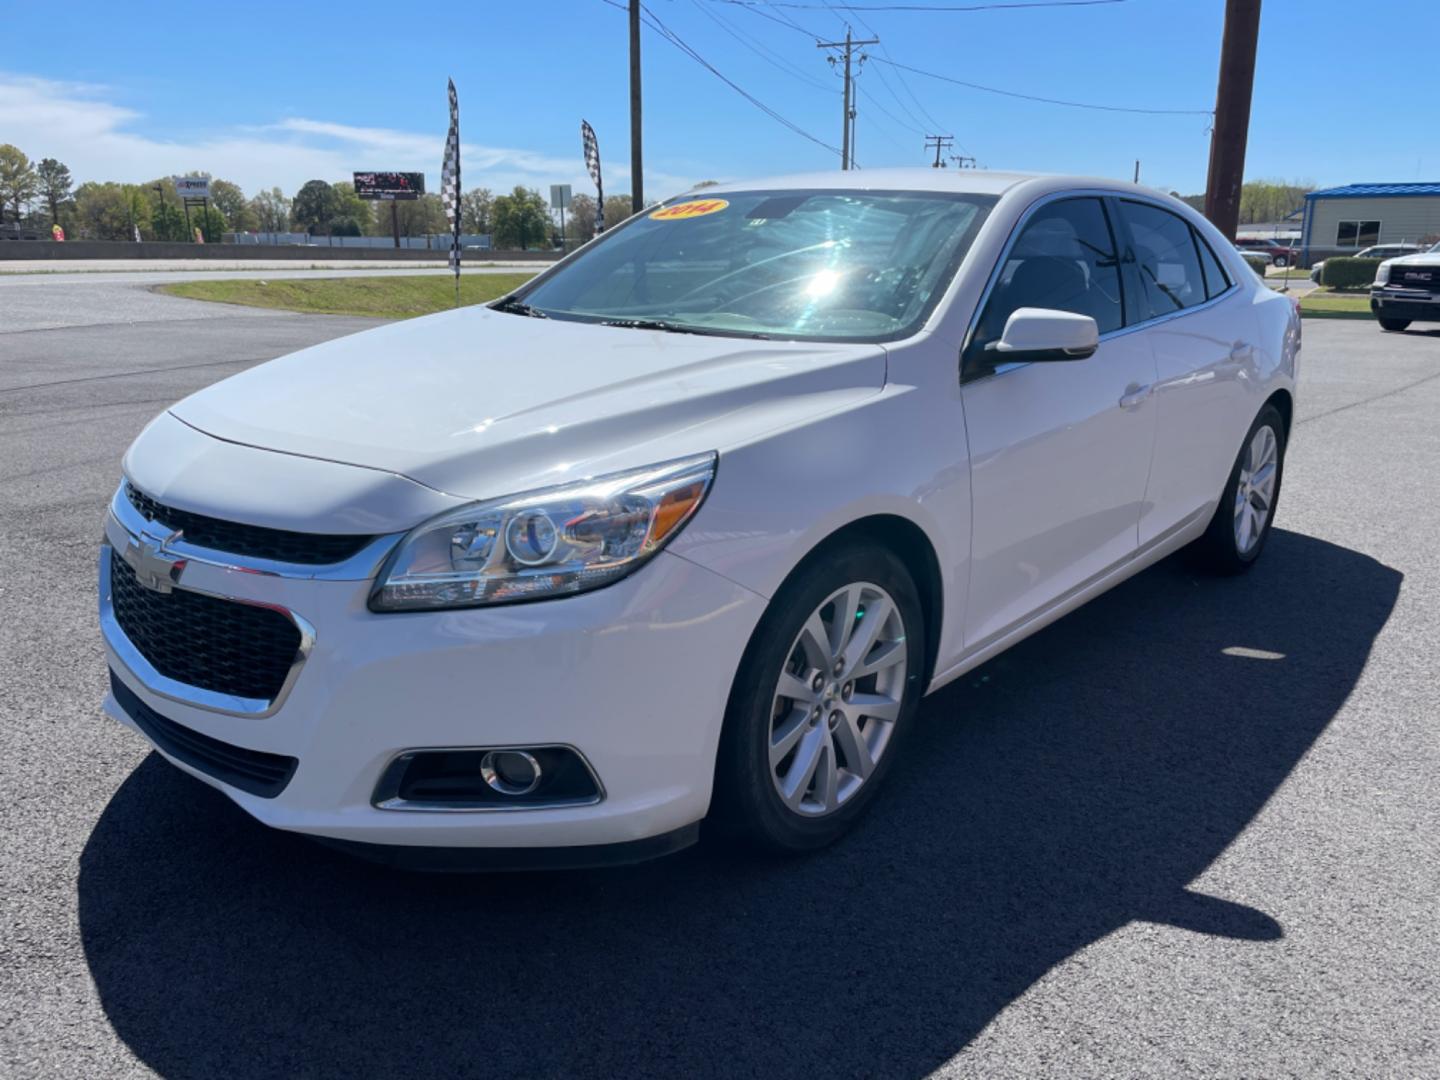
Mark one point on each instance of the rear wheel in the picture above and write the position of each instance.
(1394, 324)
(1241, 524)
(822, 700)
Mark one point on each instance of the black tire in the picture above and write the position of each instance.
(1218, 550)
(746, 806)
(1282, 261)
(1395, 325)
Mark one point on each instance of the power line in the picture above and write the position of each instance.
(761, 50)
(1045, 100)
(655, 23)
(1016, 5)
(876, 102)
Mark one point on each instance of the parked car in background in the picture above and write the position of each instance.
(686, 526)
(1380, 251)
(1407, 290)
(1278, 253)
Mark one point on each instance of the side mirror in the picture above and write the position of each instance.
(1039, 334)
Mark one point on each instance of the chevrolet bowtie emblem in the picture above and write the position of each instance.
(155, 568)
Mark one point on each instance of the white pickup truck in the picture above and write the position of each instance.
(1407, 290)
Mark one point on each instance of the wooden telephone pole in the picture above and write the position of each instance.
(1232, 114)
(637, 171)
(847, 138)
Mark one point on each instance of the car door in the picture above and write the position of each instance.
(1201, 331)
(1059, 451)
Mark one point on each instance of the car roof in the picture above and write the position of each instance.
(956, 181)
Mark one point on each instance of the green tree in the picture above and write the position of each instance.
(617, 209)
(210, 222)
(417, 217)
(580, 219)
(18, 182)
(272, 210)
(477, 209)
(231, 201)
(54, 183)
(111, 211)
(315, 207)
(352, 214)
(167, 220)
(522, 219)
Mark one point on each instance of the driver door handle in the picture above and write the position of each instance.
(1134, 395)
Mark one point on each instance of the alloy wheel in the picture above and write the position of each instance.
(837, 700)
(1255, 488)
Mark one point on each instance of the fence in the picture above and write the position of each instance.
(434, 242)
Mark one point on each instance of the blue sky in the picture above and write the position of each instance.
(277, 93)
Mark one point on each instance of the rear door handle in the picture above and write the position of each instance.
(1134, 395)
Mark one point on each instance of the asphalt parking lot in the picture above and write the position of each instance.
(1192, 829)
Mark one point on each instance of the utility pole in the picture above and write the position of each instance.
(1137, 170)
(940, 144)
(847, 142)
(1232, 115)
(963, 161)
(637, 177)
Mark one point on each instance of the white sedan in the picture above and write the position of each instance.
(685, 527)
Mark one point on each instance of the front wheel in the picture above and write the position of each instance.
(1241, 524)
(1282, 261)
(1395, 325)
(821, 702)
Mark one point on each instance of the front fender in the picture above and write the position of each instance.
(776, 499)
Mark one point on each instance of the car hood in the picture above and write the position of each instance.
(479, 403)
(1420, 258)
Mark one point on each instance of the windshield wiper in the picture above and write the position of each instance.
(649, 324)
(678, 328)
(516, 306)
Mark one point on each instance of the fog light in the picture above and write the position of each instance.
(510, 772)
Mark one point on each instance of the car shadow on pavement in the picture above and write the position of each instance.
(1078, 783)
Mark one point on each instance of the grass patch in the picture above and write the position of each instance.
(394, 297)
(1323, 304)
(1286, 273)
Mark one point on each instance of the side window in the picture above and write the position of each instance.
(1064, 259)
(1165, 256)
(1216, 280)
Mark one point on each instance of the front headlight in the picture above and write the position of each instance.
(1382, 274)
(546, 543)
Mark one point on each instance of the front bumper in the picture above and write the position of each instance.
(634, 676)
(1413, 305)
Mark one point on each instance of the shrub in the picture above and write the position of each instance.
(1258, 262)
(1347, 272)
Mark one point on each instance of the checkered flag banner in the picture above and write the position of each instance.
(592, 162)
(450, 182)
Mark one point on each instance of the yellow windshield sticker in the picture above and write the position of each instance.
(692, 209)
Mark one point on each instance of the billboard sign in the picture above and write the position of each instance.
(192, 187)
(559, 196)
(389, 186)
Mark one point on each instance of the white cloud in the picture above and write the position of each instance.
(81, 125)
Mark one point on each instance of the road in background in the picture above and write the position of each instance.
(51, 301)
(1188, 830)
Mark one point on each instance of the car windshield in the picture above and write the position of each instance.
(1435, 250)
(799, 264)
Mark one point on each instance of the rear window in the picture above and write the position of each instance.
(1167, 260)
(1216, 280)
